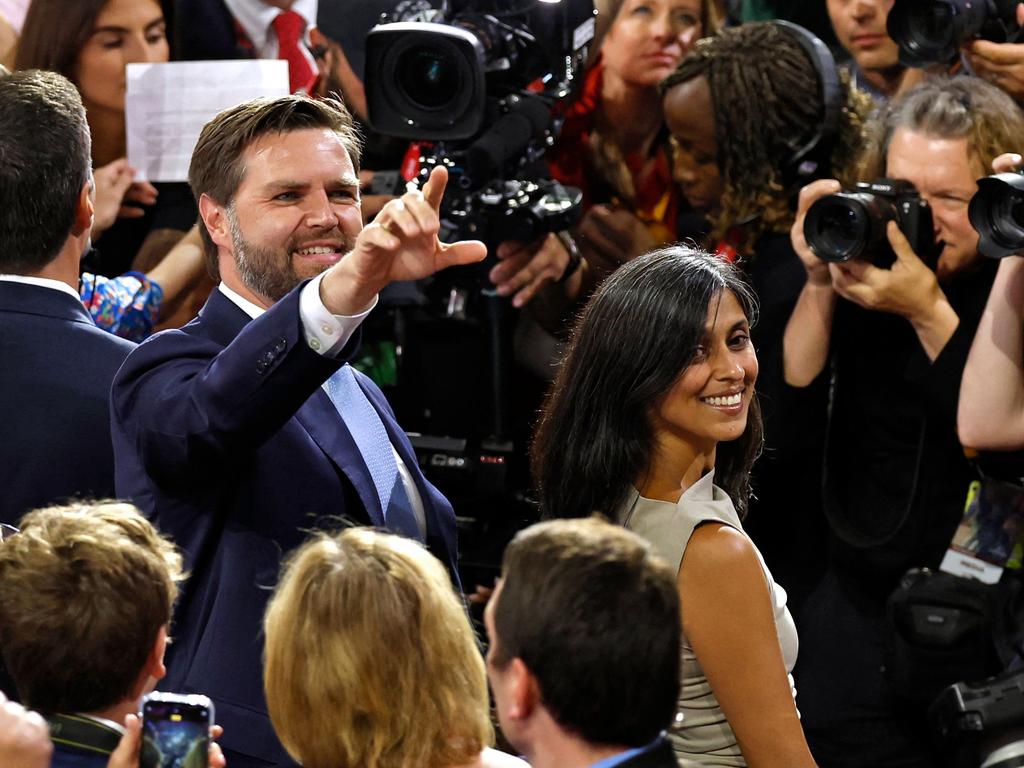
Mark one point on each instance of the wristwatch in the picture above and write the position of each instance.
(575, 257)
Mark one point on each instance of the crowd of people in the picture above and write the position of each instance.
(745, 444)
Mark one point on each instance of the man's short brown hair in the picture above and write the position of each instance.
(594, 616)
(216, 169)
(84, 591)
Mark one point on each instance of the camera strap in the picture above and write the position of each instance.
(83, 734)
(832, 505)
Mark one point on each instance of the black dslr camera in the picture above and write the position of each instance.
(982, 723)
(851, 224)
(479, 79)
(933, 31)
(997, 212)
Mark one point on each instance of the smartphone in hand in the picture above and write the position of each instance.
(176, 731)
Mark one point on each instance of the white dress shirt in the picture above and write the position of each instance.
(43, 282)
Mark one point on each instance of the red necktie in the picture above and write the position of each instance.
(289, 27)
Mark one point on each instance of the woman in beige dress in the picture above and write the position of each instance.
(652, 421)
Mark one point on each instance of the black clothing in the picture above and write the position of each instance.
(895, 473)
(784, 519)
(894, 486)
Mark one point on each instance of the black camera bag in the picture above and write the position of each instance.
(944, 629)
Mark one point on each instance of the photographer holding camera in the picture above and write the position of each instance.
(895, 475)
(1000, 63)
(991, 411)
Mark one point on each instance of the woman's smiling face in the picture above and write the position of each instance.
(710, 400)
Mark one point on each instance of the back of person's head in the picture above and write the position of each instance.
(218, 166)
(370, 658)
(54, 33)
(594, 617)
(767, 99)
(634, 339)
(949, 108)
(44, 165)
(84, 593)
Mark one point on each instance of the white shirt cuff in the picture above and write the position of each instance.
(326, 333)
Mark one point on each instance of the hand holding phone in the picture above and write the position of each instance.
(176, 731)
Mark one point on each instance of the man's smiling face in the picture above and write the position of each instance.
(296, 211)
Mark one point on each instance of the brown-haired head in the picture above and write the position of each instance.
(593, 615)
(370, 659)
(218, 166)
(84, 592)
(54, 33)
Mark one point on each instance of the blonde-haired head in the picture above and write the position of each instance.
(370, 658)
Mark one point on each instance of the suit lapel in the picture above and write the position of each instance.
(221, 320)
(321, 420)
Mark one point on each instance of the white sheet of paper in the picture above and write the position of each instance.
(168, 104)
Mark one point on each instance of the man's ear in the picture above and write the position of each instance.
(524, 693)
(84, 211)
(215, 217)
(153, 670)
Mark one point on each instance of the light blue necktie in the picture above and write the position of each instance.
(371, 438)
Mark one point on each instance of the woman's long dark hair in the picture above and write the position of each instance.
(54, 33)
(632, 342)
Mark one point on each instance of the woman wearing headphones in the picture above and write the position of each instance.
(755, 113)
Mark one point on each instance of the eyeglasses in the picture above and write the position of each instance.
(6, 531)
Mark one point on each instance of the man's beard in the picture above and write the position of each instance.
(270, 272)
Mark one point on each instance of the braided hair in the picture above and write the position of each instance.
(767, 102)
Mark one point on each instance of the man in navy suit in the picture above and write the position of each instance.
(245, 429)
(55, 364)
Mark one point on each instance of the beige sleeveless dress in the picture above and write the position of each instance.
(701, 736)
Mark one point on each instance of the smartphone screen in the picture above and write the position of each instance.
(176, 734)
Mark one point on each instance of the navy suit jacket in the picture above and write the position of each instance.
(225, 438)
(55, 372)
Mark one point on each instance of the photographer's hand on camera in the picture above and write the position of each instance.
(613, 236)
(806, 340)
(1000, 63)
(400, 244)
(908, 289)
(525, 268)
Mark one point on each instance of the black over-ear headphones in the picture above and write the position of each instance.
(810, 161)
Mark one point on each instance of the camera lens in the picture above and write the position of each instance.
(932, 31)
(841, 228)
(931, 26)
(1008, 216)
(838, 227)
(429, 77)
(997, 212)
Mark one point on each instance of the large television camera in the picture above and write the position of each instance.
(479, 80)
